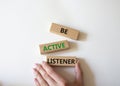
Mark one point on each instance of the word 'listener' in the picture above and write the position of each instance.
(61, 60)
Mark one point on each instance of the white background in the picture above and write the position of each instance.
(24, 24)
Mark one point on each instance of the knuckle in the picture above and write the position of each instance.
(39, 67)
(50, 71)
(45, 75)
(36, 74)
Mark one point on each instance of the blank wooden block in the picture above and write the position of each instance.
(61, 60)
(54, 46)
(64, 31)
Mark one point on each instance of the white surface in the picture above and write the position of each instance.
(24, 24)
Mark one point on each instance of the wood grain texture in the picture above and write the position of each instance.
(64, 31)
(61, 60)
(54, 46)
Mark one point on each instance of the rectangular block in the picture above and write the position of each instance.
(54, 46)
(64, 31)
(61, 60)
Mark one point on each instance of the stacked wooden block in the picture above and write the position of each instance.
(60, 45)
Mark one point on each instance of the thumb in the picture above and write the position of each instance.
(78, 73)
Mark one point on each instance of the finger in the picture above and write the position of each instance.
(36, 82)
(78, 73)
(51, 72)
(44, 74)
(40, 78)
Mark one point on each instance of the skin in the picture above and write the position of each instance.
(46, 76)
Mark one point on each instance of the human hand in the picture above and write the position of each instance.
(46, 76)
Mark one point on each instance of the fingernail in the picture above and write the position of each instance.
(78, 62)
(34, 70)
(43, 62)
(38, 65)
(35, 79)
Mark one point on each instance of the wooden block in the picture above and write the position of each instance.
(61, 60)
(54, 46)
(64, 31)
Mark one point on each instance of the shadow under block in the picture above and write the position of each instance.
(64, 31)
(54, 46)
(61, 60)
